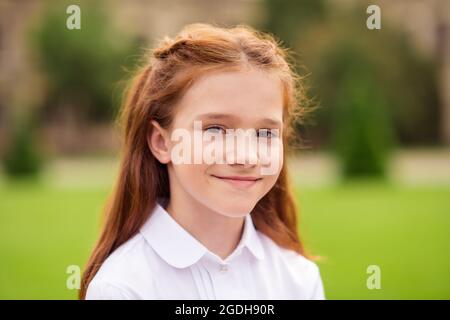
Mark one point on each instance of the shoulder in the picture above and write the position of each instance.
(124, 272)
(296, 268)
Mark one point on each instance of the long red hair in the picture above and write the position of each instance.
(159, 84)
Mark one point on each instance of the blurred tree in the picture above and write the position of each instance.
(372, 87)
(290, 20)
(22, 158)
(361, 126)
(83, 67)
(406, 80)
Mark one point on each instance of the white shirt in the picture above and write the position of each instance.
(164, 261)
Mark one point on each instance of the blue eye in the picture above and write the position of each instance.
(215, 129)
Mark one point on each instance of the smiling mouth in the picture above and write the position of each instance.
(238, 181)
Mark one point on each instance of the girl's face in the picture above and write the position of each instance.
(221, 100)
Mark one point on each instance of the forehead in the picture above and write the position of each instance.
(247, 94)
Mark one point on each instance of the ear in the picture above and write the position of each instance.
(158, 142)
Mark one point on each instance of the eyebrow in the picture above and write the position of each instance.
(224, 116)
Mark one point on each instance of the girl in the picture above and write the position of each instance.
(205, 230)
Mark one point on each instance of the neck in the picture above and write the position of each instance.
(217, 232)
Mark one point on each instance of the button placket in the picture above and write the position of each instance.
(224, 278)
(220, 273)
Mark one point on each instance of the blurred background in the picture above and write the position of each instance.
(372, 178)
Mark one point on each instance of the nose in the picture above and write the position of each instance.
(244, 152)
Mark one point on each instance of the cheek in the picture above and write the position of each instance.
(271, 157)
(269, 182)
(273, 169)
(191, 176)
(281, 155)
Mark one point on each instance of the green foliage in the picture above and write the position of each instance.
(373, 88)
(290, 19)
(406, 80)
(22, 158)
(83, 66)
(361, 126)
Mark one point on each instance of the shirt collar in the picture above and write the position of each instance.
(179, 248)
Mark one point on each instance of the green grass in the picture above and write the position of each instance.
(405, 231)
(43, 230)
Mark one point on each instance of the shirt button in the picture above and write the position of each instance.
(223, 268)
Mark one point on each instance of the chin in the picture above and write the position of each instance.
(235, 210)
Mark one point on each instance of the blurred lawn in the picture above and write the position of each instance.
(42, 231)
(404, 230)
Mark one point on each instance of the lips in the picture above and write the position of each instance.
(239, 181)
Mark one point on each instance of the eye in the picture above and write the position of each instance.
(266, 133)
(215, 129)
